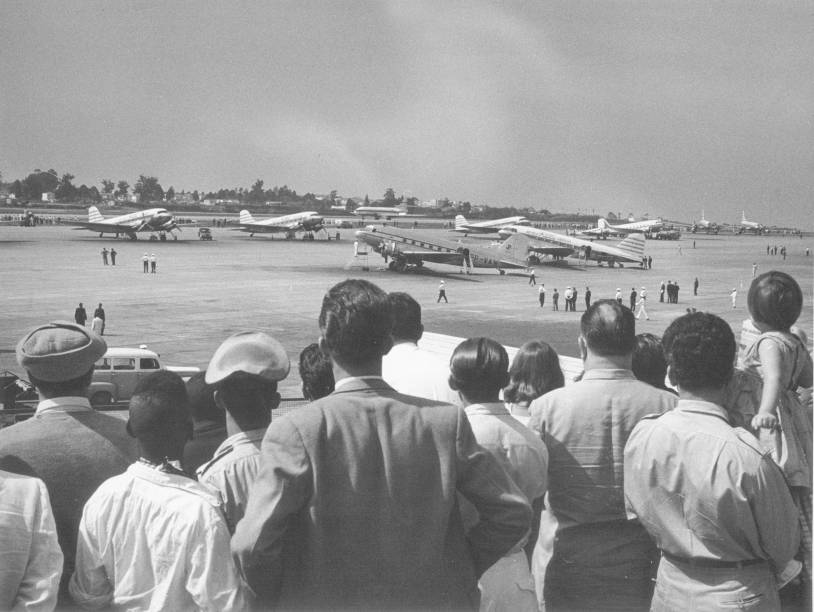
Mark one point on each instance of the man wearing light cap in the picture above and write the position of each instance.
(68, 445)
(244, 370)
(641, 304)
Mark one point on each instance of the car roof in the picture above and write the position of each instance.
(130, 352)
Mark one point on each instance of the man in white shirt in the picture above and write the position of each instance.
(407, 368)
(245, 370)
(153, 538)
(31, 558)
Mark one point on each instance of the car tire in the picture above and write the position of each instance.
(101, 398)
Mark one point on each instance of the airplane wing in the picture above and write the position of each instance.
(261, 228)
(121, 228)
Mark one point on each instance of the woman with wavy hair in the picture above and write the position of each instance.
(534, 371)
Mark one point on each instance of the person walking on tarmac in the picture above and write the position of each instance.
(442, 292)
(532, 279)
(80, 315)
(541, 294)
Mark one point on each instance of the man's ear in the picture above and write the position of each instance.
(218, 397)
(387, 344)
(670, 376)
(583, 347)
(323, 346)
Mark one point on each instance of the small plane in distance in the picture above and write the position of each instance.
(528, 240)
(492, 226)
(604, 229)
(409, 249)
(703, 224)
(377, 212)
(307, 221)
(752, 226)
(150, 220)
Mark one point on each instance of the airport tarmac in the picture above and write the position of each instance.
(204, 291)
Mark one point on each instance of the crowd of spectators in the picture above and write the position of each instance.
(412, 484)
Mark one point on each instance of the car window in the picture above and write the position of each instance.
(123, 363)
(102, 364)
(148, 363)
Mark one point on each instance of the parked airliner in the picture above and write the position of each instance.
(307, 221)
(150, 220)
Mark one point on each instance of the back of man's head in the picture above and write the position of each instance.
(406, 317)
(356, 322)
(608, 328)
(159, 414)
(700, 350)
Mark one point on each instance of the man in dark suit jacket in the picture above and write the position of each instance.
(356, 502)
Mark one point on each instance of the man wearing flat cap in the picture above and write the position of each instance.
(244, 370)
(68, 445)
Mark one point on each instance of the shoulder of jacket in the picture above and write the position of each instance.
(749, 440)
(214, 460)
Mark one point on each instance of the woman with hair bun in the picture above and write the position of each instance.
(479, 369)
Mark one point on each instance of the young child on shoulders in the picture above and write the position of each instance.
(782, 423)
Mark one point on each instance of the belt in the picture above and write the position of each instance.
(712, 563)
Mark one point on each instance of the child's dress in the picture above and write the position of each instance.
(791, 444)
(794, 437)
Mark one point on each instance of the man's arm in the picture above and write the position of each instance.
(776, 515)
(505, 515)
(282, 488)
(213, 580)
(89, 586)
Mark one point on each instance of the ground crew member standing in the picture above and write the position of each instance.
(541, 294)
(104, 256)
(152, 263)
(587, 298)
(145, 260)
(112, 256)
(641, 304)
(532, 279)
(244, 370)
(442, 293)
(80, 315)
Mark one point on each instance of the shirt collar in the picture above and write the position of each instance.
(608, 374)
(702, 407)
(342, 382)
(64, 404)
(491, 408)
(175, 481)
(240, 438)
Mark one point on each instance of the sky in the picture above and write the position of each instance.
(644, 107)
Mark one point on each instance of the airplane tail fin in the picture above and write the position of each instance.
(246, 217)
(602, 223)
(633, 246)
(94, 216)
(743, 216)
(515, 246)
(459, 221)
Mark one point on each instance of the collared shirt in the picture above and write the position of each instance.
(152, 540)
(518, 449)
(352, 379)
(232, 471)
(63, 404)
(413, 371)
(704, 489)
(31, 563)
(585, 427)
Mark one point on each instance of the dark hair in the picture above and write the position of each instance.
(406, 316)
(609, 328)
(316, 372)
(649, 362)
(355, 322)
(159, 407)
(479, 367)
(775, 299)
(700, 350)
(74, 386)
(247, 397)
(535, 370)
(202, 406)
